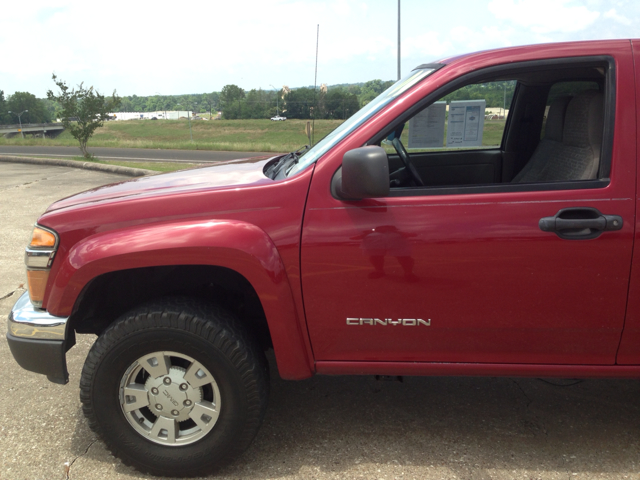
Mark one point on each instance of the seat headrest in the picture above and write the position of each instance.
(584, 120)
(555, 119)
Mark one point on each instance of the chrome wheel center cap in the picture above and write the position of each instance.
(171, 396)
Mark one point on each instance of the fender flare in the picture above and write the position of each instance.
(239, 246)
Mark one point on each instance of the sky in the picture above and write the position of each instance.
(172, 48)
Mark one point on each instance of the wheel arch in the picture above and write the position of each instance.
(190, 258)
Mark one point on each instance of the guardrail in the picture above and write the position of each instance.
(35, 129)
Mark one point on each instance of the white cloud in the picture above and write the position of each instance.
(144, 47)
(428, 46)
(544, 16)
(618, 18)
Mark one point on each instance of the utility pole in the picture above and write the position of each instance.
(277, 100)
(398, 39)
(194, 106)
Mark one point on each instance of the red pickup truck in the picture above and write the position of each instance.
(429, 234)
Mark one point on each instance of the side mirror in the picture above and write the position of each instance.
(364, 174)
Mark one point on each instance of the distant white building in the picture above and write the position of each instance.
(159, 115)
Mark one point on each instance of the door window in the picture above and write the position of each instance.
(527, 131)
(472, 117)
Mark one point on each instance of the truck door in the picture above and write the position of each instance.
(507, 249)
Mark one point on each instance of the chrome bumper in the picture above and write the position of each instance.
(38, 340)
(26, 321)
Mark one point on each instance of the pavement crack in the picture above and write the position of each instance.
(68, 465)
(8, 294)
(529, 401)
(43, 179)
(537, 423)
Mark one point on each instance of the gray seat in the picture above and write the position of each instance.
(575, 154)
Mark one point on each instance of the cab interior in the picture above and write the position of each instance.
(558, 131)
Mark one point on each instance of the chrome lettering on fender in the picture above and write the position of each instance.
(405, 322)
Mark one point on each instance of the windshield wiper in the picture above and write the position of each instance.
(286, 162)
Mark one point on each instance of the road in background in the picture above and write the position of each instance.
(134, 154)
(324, 427)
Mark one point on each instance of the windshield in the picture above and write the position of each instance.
(358, 119)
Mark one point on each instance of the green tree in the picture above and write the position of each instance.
(3, 109)
(340, 104)
(52, 108)
(231, 98)
(355, 89)
(495, 93)
(21, 101)
(210, 101)
(138, 104)
(83, 110)
(257, 104)
(153, 104)
(372, 89)
(299, 103)
(126, 105)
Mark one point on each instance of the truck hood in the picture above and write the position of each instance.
(230, 174)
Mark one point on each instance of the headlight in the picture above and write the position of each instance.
(38, 257)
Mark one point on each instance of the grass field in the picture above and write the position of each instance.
(225, 135)
(155, 166)
(222, 135)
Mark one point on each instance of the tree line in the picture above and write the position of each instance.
(333, 102)
(36, 110)
(496, 94)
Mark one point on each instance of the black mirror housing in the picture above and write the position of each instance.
(364, 174)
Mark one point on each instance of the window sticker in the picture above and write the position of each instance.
(426, 129)
(466, 122)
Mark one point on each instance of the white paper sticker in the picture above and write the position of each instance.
(466, 123)
(426, 129)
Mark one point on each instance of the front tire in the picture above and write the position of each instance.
(175, 388)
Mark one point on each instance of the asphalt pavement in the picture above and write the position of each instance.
(133, 154)
(323, 427)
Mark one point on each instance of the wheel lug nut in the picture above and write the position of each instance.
(183, 386)
(175, 413)
(187, 403)
(167, 381)
(154, 390)
(158, 406)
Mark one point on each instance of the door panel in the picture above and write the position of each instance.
(494, 287)
(488, 283)
(629, 352)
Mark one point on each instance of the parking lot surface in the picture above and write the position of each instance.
(324, 427)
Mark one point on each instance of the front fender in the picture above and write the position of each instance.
(239, 246)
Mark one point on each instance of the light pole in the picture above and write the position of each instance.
(277, 100)
(19, 120)
(190, 131)
(398, 39)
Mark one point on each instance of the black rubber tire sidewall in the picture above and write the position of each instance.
(233, 430)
